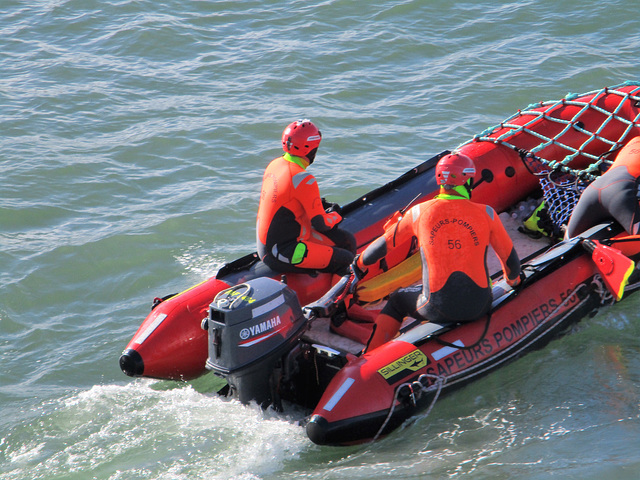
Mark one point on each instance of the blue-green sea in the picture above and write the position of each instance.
(133, 138)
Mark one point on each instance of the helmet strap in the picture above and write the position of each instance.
(469, 186)
(311, 156)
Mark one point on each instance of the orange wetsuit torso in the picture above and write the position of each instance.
(292, 226)
(454, 235)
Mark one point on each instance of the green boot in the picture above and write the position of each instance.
(538, 223)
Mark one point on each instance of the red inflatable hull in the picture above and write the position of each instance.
(374, 394)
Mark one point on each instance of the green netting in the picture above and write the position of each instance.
(562, 184)
(544, 110)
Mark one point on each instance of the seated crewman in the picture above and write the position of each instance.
(453, 235)
(294, 232)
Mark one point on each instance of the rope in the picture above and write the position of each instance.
(561, 197)
(224, 302)
(606, 297)
(417, 388)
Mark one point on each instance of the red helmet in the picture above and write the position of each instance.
(300, 138)
(455, 169)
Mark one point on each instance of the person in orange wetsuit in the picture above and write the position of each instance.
(613, 196)
(296, 230)
(453, 236)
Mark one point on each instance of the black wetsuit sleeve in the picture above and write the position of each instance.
(513, 264)
(375, 251)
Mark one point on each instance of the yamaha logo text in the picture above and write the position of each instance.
(260, 328)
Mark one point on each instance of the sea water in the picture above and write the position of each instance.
(133, 137)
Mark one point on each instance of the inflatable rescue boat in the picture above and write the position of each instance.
(278, 338)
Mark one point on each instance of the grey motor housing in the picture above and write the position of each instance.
(251, 326)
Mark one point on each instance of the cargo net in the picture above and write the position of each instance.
(560, 198)
(562, 185)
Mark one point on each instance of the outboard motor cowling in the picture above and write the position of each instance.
(251, 326)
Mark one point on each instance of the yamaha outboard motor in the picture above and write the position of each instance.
(251, 327)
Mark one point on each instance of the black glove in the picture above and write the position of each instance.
(330, 206)
(357, 273)
(517, 283)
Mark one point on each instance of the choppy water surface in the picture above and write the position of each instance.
(133, 135)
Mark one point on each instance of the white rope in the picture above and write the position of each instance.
(439, 381)
(606, 297)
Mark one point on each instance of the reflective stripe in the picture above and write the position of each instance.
(415, 212)
(302, 177)
(150, 329)
(333, 401)
(491, 212)
(267, 307)
(445, 351)
(276, 255)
